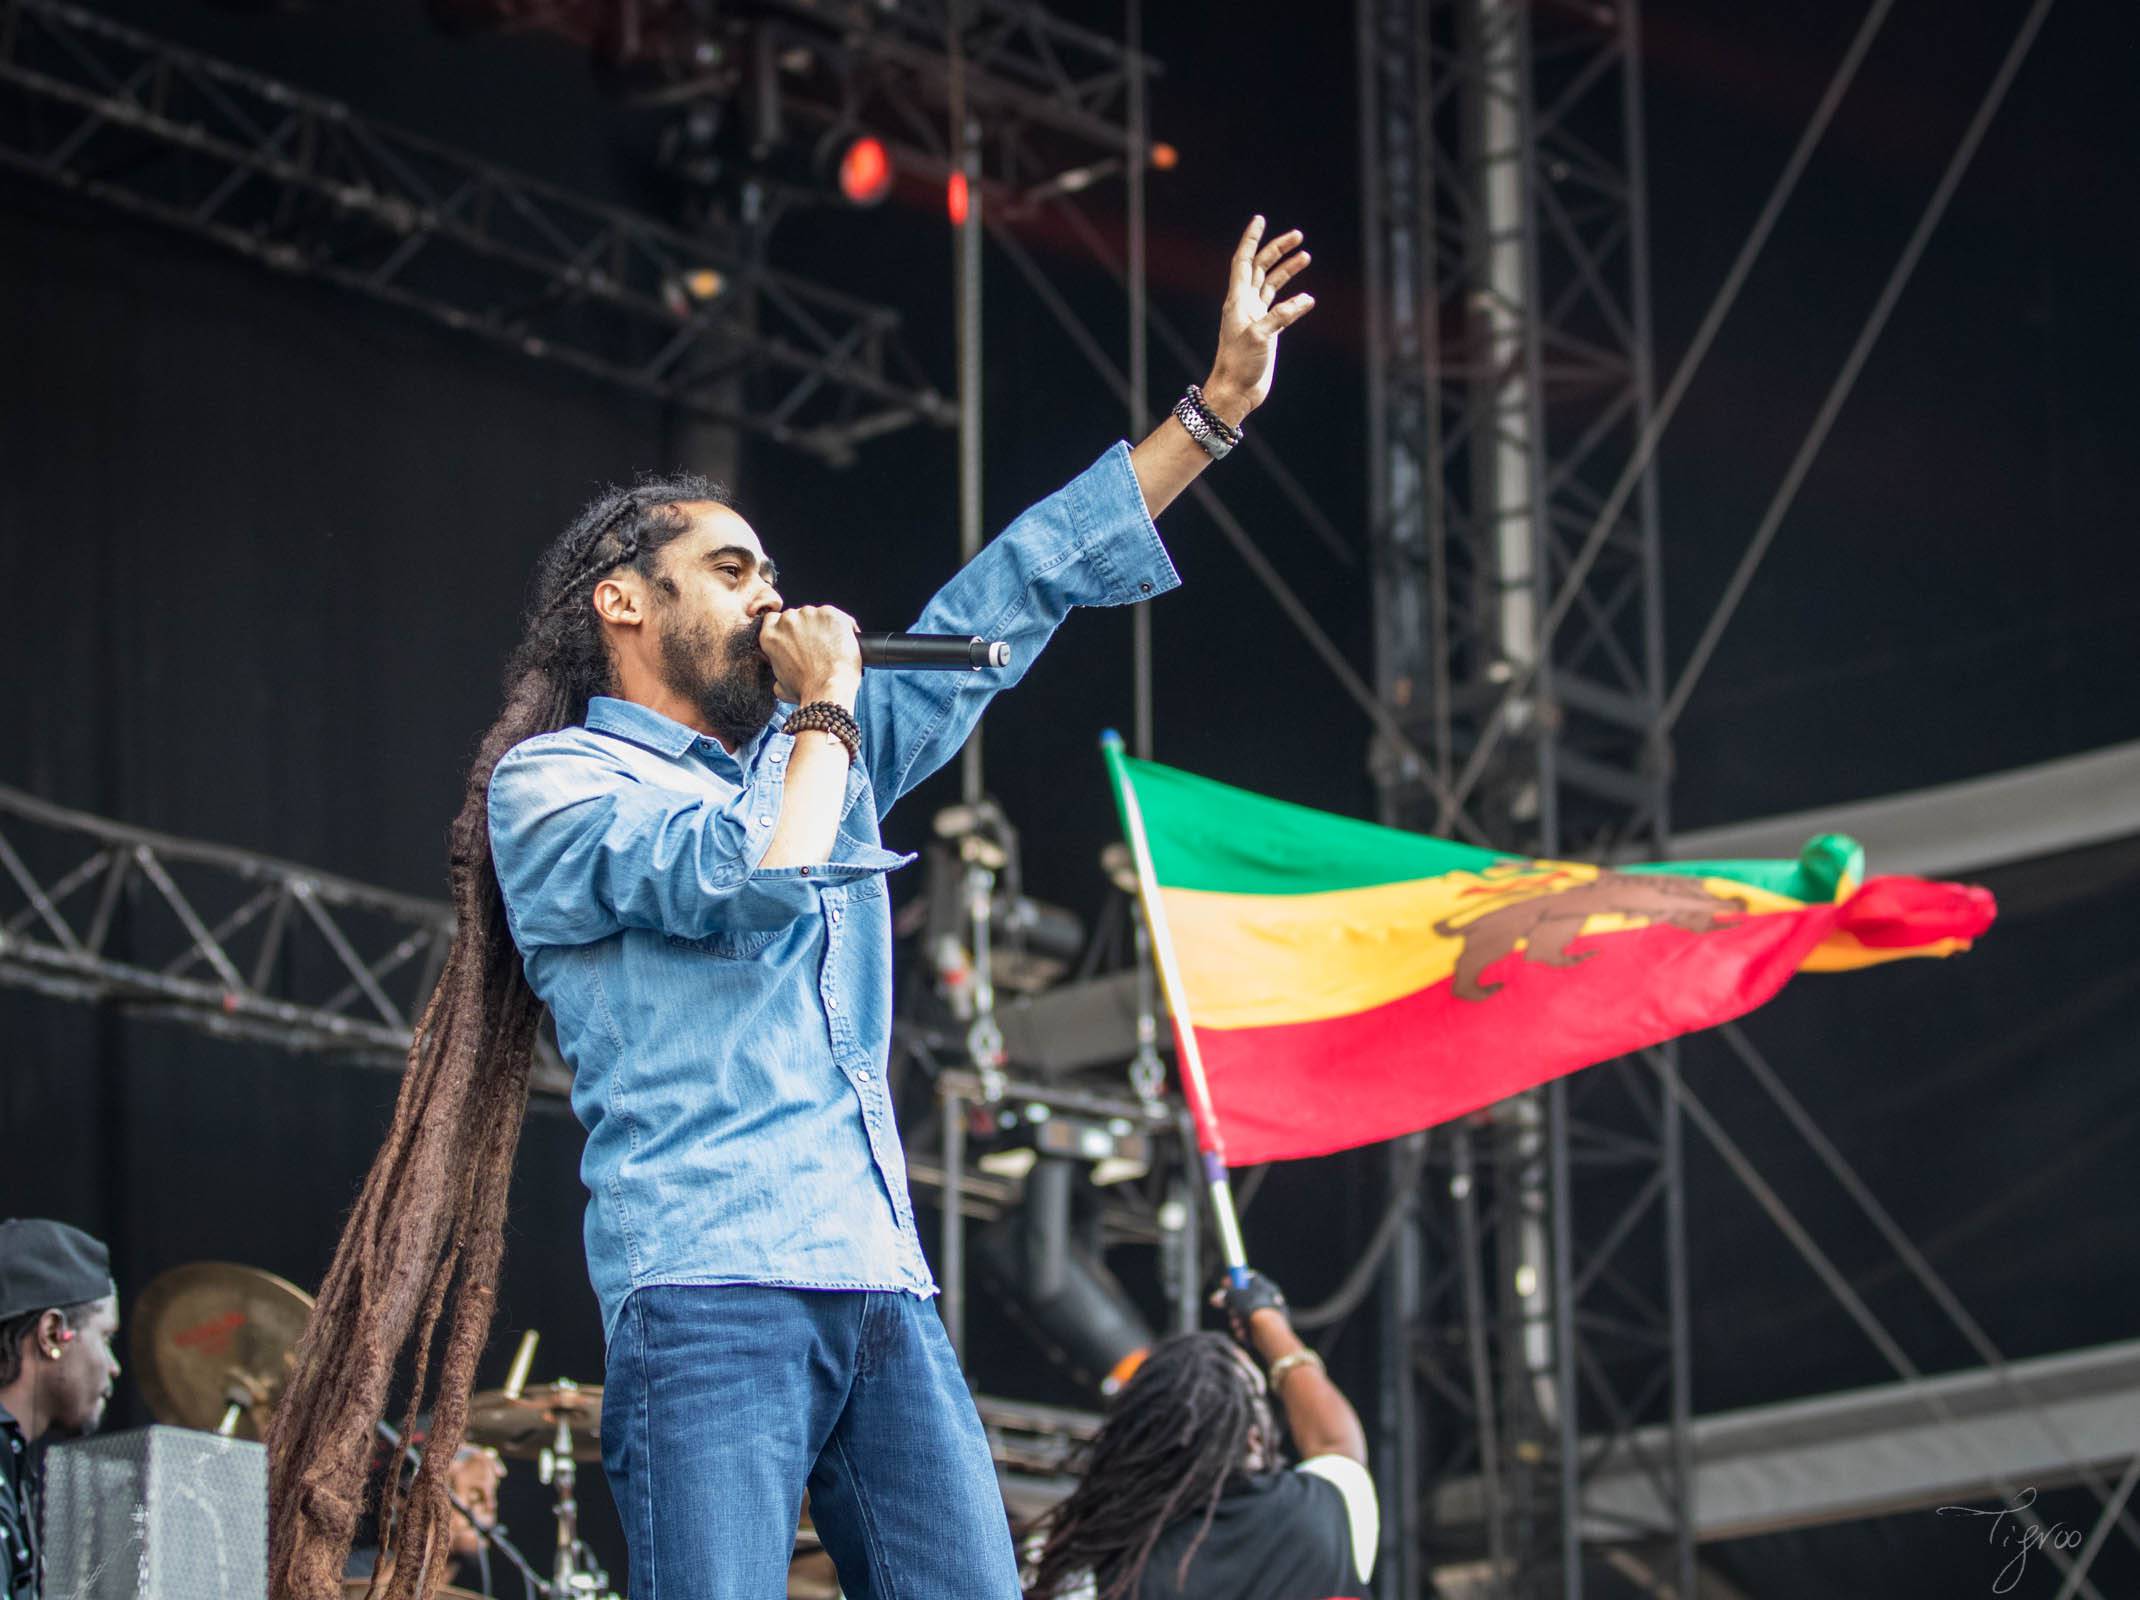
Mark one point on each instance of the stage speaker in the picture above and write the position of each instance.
(156, 1514)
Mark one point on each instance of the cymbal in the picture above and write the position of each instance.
(526, 1426)
(211, 1332)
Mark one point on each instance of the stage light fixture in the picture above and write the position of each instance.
(866, 171)
(1112, 1149)
(1165, 158)
(955, 199)
(683, 292)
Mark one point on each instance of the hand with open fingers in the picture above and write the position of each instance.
(1253, 318)
(816, 654)
(1242, 1301)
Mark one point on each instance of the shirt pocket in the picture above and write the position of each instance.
(737, 946)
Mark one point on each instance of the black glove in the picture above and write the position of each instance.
(1241, 1302)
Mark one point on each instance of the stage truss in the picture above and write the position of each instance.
(1535, 1312)
(230, 941)
(309, 187)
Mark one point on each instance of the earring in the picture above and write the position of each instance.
(52, 1350)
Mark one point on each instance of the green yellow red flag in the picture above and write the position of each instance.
(1342, 982)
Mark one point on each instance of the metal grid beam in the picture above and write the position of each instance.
(306, 186)
(1053, 97)
(1539, 1312)
(236, 943)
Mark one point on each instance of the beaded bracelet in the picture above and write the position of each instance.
(822, 716)
(1219, 425)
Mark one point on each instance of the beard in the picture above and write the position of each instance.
(725, 676)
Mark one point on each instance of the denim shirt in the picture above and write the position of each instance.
(728, 1025)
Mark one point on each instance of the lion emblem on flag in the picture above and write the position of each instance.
(1544, 921)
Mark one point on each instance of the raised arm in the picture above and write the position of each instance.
(1168, 460)
(1317, 1413)
(1091, 543)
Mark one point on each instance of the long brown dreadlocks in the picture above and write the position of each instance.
(1179, 1431)
(429, 1222)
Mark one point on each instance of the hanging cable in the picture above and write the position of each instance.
(1354, 1289)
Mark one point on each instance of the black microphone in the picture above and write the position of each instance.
(942, 652)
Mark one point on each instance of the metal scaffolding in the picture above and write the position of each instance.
(230, 941)
(1535, 1313)
(1054, 103)
(306, 186)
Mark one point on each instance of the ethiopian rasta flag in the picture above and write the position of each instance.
(1347, 982)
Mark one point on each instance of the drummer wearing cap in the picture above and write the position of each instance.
(59, 1311)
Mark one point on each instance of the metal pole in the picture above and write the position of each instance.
(1671, 1128)
(1139, 359)
(1189, 1293)
(1145, 1074)
(1398, 1574)
(965, 140)
(953, 1221)
(1679, 1314)
(1562, 1198)
(1464, 1188)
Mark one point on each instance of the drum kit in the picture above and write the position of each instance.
(213, 1345)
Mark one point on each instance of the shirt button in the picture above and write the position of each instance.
(862, 1076)
(765, 822)
(1147, 588)
(831, 1004)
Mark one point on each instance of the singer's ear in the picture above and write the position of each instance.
(621, 599)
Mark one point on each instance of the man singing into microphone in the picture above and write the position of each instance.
(684, 794)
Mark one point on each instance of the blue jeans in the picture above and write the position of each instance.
(722, 1403)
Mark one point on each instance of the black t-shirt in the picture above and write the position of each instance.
(1275, 1536)
(18, 1528)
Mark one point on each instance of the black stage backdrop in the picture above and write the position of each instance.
(264, 547)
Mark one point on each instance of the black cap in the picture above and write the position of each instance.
(44, 1265)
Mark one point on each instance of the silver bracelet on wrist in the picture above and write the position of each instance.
(1205, 426)
(1303, 1357)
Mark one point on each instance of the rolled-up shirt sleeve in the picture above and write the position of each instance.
(1091, 543)
(585, 848)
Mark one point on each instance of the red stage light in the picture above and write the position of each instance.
(955, 199)
(1165, 158)
(866, 172)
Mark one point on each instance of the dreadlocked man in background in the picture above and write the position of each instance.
(1183, 1496)
(700, 902)
(59, 1311)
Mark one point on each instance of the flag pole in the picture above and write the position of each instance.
(1211, 1143)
